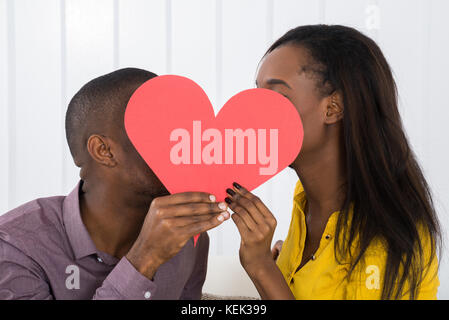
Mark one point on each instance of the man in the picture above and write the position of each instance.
(118, 234)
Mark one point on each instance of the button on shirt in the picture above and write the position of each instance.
(322, 277)
(46, 253)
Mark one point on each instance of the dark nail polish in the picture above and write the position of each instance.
(230, 191)
(235, 184)
(228, 201)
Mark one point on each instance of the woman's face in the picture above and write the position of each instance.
(280, 71)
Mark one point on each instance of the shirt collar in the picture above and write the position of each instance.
(299, 199)
(299, 195)
(77, 233)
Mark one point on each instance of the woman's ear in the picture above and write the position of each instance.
(334, 108)
(99, 148)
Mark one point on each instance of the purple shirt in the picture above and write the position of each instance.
(46, 253)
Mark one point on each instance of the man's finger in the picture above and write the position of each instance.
(180, 222)
(194, 209)
(185, 197)
(202, 226)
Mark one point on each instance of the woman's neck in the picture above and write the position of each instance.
(323, 177)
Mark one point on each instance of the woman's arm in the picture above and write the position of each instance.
(270, 282)
(256, 225)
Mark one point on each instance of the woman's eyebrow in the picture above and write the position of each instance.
(275, 81)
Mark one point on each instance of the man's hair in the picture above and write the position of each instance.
(99, 106)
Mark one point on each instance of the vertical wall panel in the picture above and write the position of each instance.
(409, 66)
(37, 134)
(4, 125)
(244, 43)
(89, 54)
(435, 117)
(289, 14)
(354, 13)
(193, 43)
(142, 35)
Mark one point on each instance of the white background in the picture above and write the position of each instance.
(50, 48)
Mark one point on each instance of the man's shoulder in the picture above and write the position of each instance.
(34, 213)
(33, 223)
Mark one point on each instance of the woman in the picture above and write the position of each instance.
(363, 223)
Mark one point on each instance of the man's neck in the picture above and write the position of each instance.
(112, 224)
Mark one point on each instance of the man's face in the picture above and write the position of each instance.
(133, 171)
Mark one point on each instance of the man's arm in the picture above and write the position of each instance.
(22, 278)
(170, 223)
(124, 282)
(194, 286)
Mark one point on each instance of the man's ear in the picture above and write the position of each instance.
(99, 148)
(334, 108)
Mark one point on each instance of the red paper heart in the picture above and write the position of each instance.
(166, 103)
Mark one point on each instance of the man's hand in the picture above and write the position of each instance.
(171, 221)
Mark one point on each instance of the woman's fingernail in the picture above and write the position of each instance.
(225, 214)
(235, 184)
(228, 201)
(222, 206)
(230, 191)
(220, 217)
(212, 198)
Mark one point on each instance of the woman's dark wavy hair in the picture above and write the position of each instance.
(391, 198)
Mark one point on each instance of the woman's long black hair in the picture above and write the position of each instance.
(391, 198)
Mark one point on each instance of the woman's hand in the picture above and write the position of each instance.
(256, 225)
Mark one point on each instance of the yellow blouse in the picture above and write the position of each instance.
(322, 277)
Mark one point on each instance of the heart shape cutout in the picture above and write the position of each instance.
(171, 122)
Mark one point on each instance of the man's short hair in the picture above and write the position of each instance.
(99, 106)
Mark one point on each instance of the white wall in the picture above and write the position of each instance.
(49, 48)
